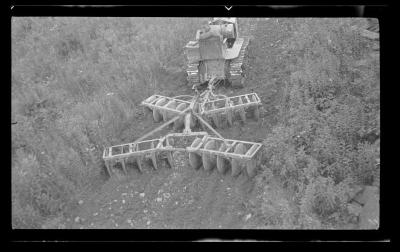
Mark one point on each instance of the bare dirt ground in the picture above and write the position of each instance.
(187, 198)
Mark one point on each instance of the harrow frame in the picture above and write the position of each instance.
(209, 107)
(163, 144)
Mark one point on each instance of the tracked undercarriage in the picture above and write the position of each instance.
(236, 68)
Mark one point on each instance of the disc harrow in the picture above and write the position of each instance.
(132, 152)
(203, 151)
(220, 111)
(222, 153)
(246, 106)
(163, 107)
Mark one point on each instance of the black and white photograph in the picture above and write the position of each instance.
(256, 123)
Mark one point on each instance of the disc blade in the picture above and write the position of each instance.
(151, 99)
(216, 120)
(147, 110)
(157, 116)
(222, 163)
(256, 113)
(123, 166)
(170, 159)
(139, 163)
(167, 114)
(251, 168)
(209, 160)
(178, 124)
(237, 165)
(108, 166)
(153, 157)
(241, 111)
(195, 160)
(229, 117)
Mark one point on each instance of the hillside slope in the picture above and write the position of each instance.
(318, 80)
(183, 197)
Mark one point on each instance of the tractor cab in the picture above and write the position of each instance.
(213, 40)
(229, 26)
(215, 46)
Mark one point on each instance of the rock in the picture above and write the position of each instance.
(148, 222)
(369, 34)
(145, 211)
(369, 217)
(354, 191)
(123, 201)
(77, 219)
(159, 199)
(80, 202)
(141, 195)
(247, 217)
(354, 208)
(61, 226)
(374, 55)
(95, 214)
(368, 192)
(363, 62)
(167, 195)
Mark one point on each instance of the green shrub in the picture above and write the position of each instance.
(76, 86)
(326, 139)
(38, 192)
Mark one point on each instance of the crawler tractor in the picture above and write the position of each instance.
(193, 119)
(217, 53)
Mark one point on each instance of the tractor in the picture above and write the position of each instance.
(217, 53)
